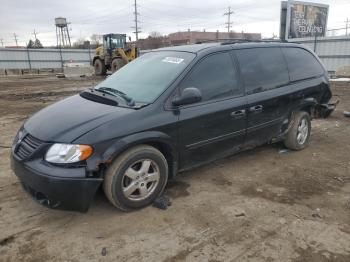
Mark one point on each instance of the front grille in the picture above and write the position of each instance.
(27, 146)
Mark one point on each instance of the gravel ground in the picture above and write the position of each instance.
(261, 205)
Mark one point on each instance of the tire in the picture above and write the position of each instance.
(143, 190)
(100, 67)
(116, 64)
(298, 135)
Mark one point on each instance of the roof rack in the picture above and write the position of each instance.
(229, 41)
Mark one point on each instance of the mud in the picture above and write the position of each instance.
(295, 205)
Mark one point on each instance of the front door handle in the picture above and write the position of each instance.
(256, 109)
(238, 113)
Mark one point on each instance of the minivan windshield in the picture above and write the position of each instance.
(145, 78)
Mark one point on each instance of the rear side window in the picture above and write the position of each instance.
(215, 76)
(301, 64)
(262, 69)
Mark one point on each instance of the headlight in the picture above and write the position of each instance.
(65, 153)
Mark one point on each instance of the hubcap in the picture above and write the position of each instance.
(303, 131)
(140, 179)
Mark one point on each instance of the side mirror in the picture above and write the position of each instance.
(189, 95)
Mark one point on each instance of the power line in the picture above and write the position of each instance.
(170, 10)
(229, 23)
(16, 40)
(103, 18)
(137, 29)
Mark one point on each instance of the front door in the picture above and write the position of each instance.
(216, 125)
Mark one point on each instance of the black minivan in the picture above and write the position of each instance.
(169, 110)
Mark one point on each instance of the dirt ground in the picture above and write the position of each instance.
(261, 205)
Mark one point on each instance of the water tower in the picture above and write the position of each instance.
(62, 33)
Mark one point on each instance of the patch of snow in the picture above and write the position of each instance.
(343, 79)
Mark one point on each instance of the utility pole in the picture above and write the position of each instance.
(2, 42)
(229, 23)
(16, 40)
(346, 26)
(34, 33)
(137, 29)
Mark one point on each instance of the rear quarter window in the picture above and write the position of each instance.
(301, 64)
(262, 68)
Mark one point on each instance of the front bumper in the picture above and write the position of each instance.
(68, 193)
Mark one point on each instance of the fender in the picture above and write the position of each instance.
(317, 110)
(135, 139)
(309, 102)
(120, 145)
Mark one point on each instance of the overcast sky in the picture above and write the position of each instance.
(89, 17)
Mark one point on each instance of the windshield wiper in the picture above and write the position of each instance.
(115, 92)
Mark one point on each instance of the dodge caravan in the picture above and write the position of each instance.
(169, 110)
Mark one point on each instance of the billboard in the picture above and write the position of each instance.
(303, 19)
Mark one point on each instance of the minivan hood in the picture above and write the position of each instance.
(70, 118)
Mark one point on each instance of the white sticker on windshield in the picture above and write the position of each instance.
(174, 60)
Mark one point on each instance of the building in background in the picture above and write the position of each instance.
(192, 37)
(153, 42)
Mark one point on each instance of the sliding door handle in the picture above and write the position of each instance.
(256, 109)
(238, 113)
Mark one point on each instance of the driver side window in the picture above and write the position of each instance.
(215, 76)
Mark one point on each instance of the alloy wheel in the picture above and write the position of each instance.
(303, 131)
(140, 179)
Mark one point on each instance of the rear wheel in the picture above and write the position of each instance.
(136, 178)
(100, 67)
(117, 63)
(299, 134)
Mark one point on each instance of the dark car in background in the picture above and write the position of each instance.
(169, 110)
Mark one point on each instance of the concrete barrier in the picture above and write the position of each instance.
(343, 71)
(30, 71)
(77, 70)
(58, 70)
(13, 72)
(45, 70)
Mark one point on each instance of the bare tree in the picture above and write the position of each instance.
(155, 34)
(96, 40)
(79, 43)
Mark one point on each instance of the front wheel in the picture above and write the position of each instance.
(298, 135)
(100, 67)
(136, 178)
(117, 63)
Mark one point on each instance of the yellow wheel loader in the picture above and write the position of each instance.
(113, 54)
